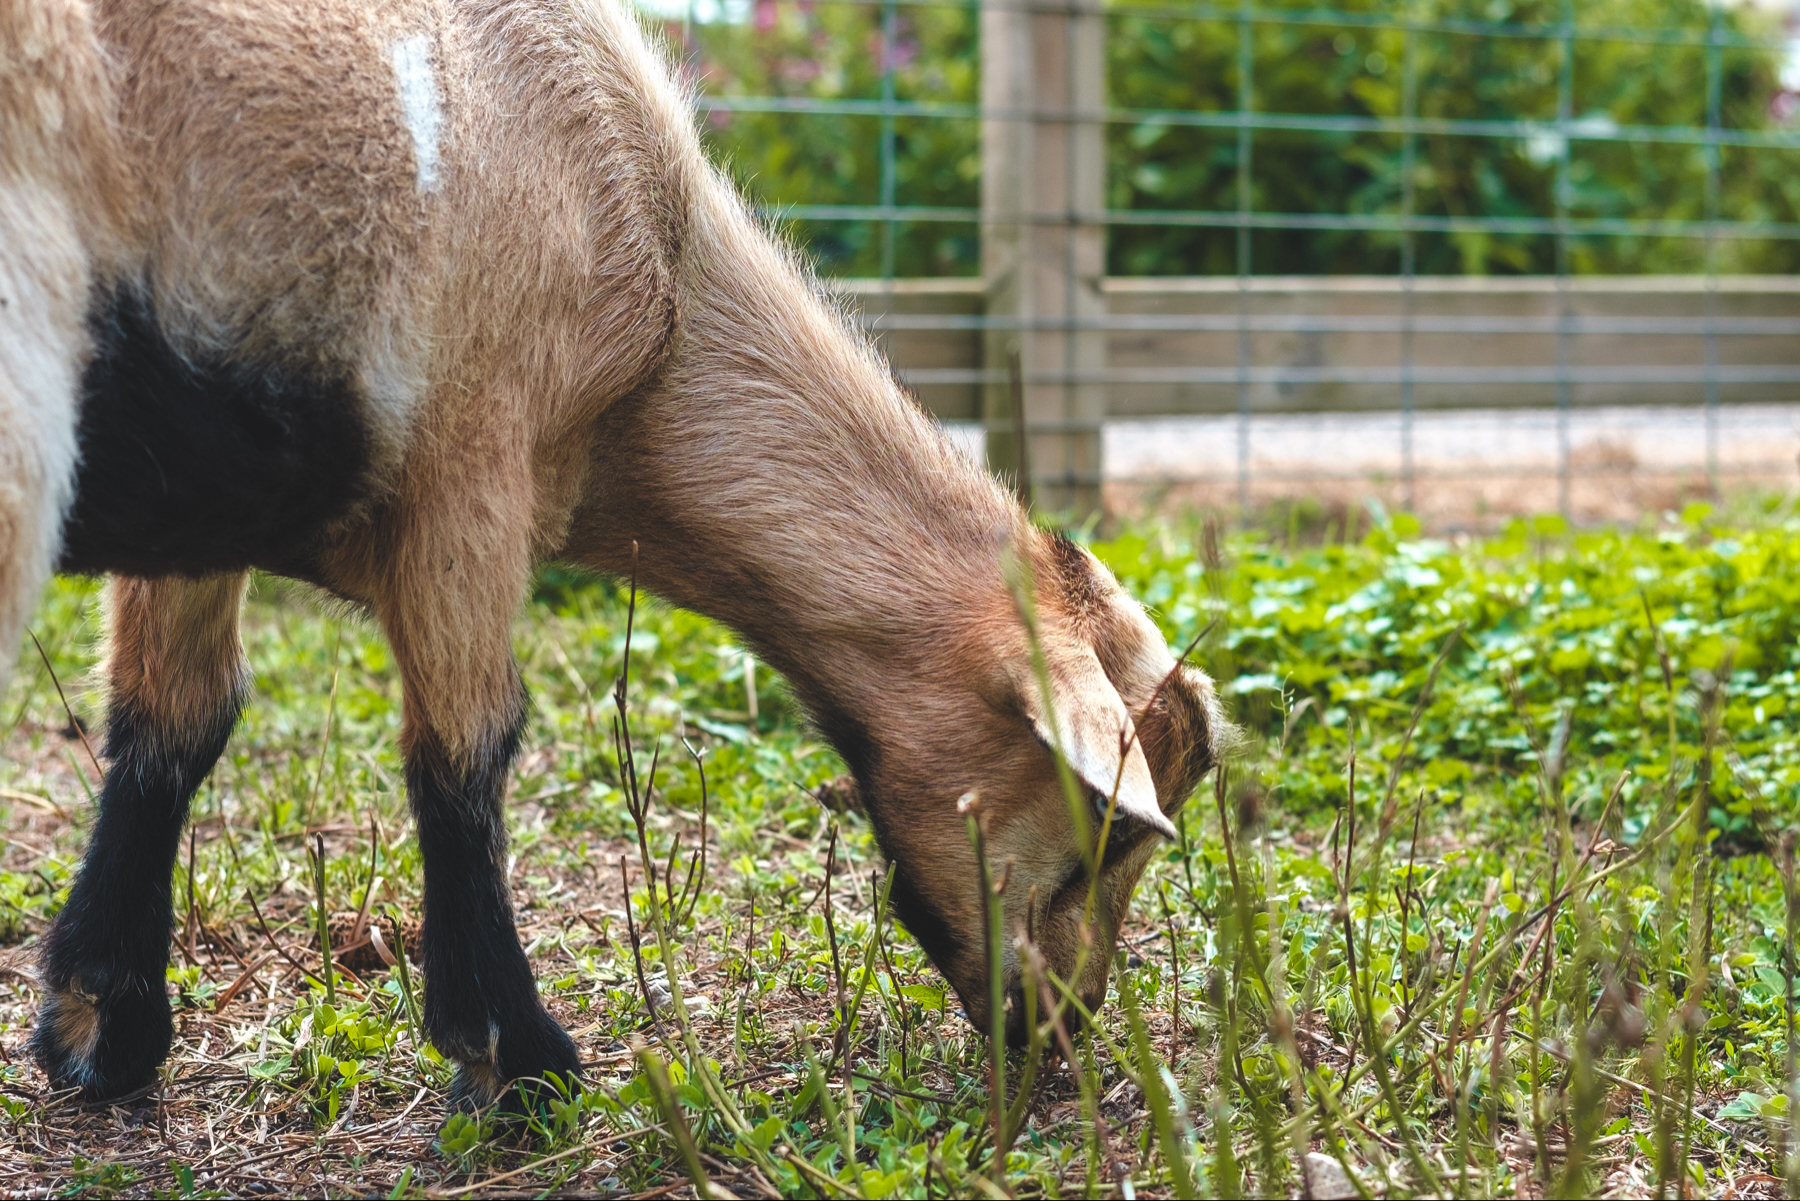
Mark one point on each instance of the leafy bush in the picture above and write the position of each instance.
(1323, 645)
(1470, 67)
(1156, 62)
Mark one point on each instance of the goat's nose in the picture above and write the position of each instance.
(1018, 1033)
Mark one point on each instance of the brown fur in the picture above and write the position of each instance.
(577, 338)
(76, 1018)
(173, 651)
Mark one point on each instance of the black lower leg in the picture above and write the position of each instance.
(481, 1004)
(103, 1024)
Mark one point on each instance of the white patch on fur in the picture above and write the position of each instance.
(393, 377)
(422, 103)
(43, 284)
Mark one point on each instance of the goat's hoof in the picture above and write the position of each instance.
(526, 1066)
(108, 1047)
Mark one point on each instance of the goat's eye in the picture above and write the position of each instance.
(1101, 803)
(1122, 836)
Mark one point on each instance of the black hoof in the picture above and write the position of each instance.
(522, 1068)
(108, 1047)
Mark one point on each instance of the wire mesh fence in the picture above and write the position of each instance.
(1238, 215)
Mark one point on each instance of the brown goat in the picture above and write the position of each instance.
(402, 297)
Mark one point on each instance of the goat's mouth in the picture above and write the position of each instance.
(1018, 1025)
(1015, 1018)
(1019, 1015)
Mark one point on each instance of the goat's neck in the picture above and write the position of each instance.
(775, 478)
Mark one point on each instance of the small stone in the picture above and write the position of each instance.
(663, 997)
(359, 953)
(1326, 1179)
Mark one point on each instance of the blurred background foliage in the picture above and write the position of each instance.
(833, 51)
(1478, 65)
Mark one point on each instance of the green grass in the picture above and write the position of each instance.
(1538, 937)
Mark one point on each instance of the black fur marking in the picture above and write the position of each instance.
(110, 943)
(192, 468)
(923, 920)
(1071, 560)
(1201, 754)
(481, 1004)
(853, 743)
(1080, 590)
(848, 737)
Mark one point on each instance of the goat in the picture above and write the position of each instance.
(401, 298)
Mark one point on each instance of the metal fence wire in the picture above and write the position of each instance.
(1637, 250)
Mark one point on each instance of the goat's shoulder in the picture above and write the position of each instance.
(588, 149)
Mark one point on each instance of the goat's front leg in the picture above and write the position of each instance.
(177, 679)
(447, 611)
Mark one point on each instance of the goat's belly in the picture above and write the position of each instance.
(192, 467)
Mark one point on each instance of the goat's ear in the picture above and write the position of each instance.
(1095, 732)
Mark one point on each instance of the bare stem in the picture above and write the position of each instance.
(318, 858)
(970, 806)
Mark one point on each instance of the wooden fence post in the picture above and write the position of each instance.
(1043, 247)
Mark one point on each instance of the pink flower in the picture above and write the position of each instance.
(897, 57)
(800, 70)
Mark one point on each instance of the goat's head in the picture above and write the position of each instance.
(1132, 726)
